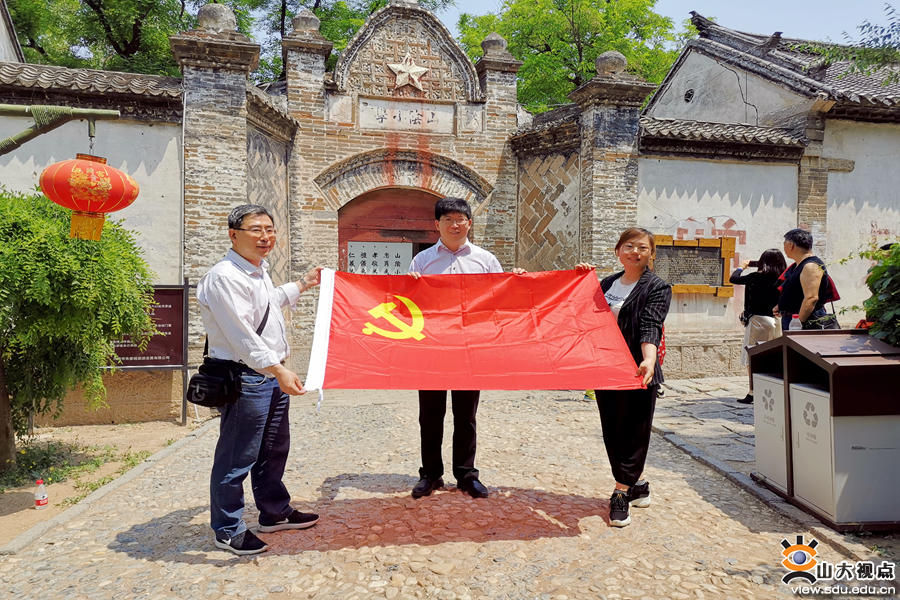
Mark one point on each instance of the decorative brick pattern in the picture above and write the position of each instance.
(548, 211)
(387, 37)
(267, 185)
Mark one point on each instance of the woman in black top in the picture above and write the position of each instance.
(640, 300)
(760, 298)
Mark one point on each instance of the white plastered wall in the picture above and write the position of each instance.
(7, 47)
(864, 204)
(689, 199)
(150, 153)
(722, 93)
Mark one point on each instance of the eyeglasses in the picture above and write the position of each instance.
(258, 231)
(629, 248)
(459, 222)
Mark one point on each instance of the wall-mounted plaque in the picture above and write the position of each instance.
(397, 115)
(166, 347)
(689, 265)
(695, 266)
(379, 258)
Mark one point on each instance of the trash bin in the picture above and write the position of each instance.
(841, 424)
(770, 425)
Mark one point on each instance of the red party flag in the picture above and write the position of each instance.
(493, 331)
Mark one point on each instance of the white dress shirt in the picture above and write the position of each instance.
(233, 297)
(440, 260)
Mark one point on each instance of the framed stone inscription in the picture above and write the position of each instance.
(397, 115)
(699, 266)
(379, 258)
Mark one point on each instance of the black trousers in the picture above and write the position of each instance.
(626, 416)
(432, 408)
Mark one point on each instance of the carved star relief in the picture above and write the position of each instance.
(408, 73)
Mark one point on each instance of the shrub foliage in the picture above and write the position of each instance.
(884, 306)
(63, 302)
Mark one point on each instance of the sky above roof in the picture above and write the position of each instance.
(805, 19)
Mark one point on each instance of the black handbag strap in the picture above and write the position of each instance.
(259, 331)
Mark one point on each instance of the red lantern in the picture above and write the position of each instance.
(90, 187)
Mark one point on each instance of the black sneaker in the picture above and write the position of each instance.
(243, 543)
(748, 399)
(618, 509)
(295, 520)
(639, 495)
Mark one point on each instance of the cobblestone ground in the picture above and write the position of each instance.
(542, 534)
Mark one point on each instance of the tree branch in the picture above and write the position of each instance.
(97, 7)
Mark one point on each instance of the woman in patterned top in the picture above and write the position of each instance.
(640, 301)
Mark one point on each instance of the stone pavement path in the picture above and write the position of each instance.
(542, 534)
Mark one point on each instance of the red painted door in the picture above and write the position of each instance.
(388, 215)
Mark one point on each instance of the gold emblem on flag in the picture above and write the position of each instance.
(404, 330)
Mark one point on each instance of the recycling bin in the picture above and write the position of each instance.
(827, 421)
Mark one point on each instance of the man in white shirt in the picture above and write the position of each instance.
(454, 253)
(237, 297)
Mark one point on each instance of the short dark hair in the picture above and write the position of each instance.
(771, 262)
(800, 238)
(236, 217)
(446, 206)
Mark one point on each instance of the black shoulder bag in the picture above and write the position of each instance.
(217, 382)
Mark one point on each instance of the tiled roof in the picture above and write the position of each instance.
(678, 129)
(551, 119)
(88, 81)
(789, 57)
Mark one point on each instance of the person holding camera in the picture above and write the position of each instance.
(761, 295)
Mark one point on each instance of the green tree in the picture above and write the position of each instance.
(115, 35)
(63, 302)
(133, 35)
(875, 52)
(559, 40)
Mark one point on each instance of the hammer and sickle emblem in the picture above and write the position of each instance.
(384, 311)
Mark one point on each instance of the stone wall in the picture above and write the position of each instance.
(132, 397)
(548, 212)
(702, 354)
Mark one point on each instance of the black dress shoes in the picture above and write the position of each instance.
(426, 486)
(748, 399)
(473, 487)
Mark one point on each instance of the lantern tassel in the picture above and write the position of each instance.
(87, 225)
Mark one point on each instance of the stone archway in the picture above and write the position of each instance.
(411, 169)
(400, 220)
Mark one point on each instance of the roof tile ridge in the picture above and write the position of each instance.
(762, 62)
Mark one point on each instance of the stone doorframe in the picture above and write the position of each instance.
(367, 171)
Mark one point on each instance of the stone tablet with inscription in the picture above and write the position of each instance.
(689, 265)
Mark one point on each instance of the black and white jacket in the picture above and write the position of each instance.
(643, 314)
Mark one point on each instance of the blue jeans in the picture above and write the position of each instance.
(254, 438)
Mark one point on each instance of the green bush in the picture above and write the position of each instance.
(884, 306)
(63, 302)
